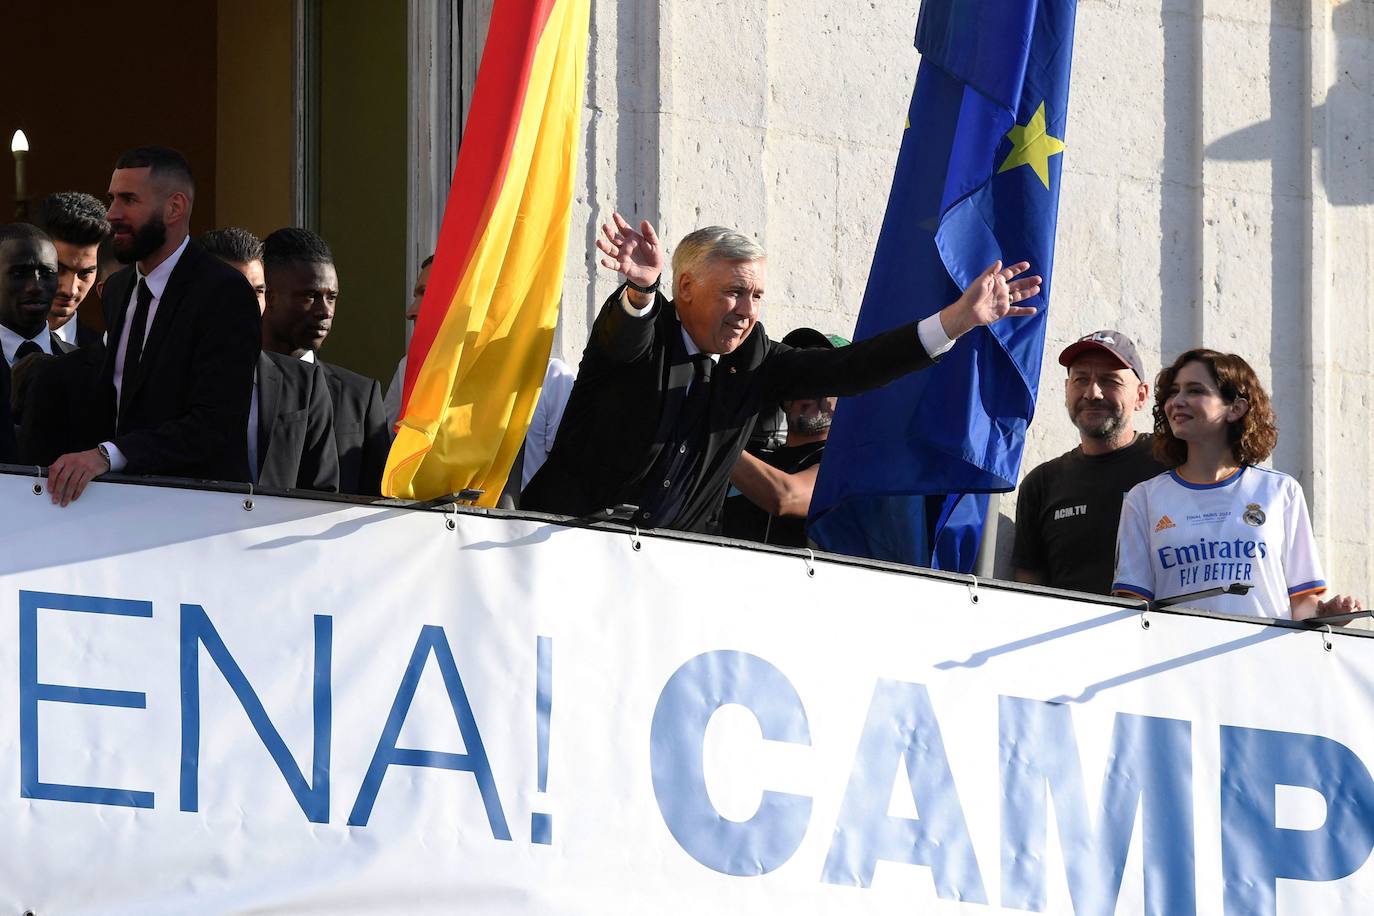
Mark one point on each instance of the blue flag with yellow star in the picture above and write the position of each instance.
(907, 468)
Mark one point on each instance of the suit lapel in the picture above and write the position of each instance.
(269, 399)
(166, 313)
(115, 304)
(57, 346)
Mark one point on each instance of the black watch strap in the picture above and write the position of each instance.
(646, 290)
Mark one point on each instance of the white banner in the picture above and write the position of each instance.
(317, 707)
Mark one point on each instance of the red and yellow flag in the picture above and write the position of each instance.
(481, 344)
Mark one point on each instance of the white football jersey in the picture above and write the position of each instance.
(1178, 537)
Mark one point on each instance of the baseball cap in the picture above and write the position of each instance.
(1118, 345)
(804, 338)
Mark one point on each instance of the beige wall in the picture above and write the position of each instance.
(255, 114)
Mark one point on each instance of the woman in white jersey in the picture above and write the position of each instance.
(1217, 518)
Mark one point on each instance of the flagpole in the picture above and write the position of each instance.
(987, 545)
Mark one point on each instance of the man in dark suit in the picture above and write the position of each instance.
(28, 276)
(177, 377)
(76, 223)
(668, 390)
(291, 421)
(302, 294)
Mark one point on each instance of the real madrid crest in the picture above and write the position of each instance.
(1254, 515)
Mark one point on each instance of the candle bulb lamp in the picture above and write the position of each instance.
(19, 146)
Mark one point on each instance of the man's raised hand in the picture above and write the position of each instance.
(636, 255)
(990, 298)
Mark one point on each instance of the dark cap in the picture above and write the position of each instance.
(1117, 345)
(806, 338)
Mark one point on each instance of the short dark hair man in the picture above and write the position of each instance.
(775, 486)
(28, 273)
(290, 419)
(184, 336)
(1068, 508)
(668, 389)
(76, 223)
(302, 293)
(28, 279)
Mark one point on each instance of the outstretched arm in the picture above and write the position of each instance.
(990, 298)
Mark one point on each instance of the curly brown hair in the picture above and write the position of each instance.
(1252, 437)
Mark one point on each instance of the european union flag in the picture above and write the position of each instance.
(977, 181)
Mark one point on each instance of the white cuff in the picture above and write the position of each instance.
(117, 460)
(933, 336)
(630, 309)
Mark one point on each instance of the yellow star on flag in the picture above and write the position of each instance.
(1032, 146)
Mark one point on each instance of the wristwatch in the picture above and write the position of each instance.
(646, 290)
(105, 453)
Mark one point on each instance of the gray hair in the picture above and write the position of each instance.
(714, 243)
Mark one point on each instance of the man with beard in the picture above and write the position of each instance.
(77, 225)
(775, 486)
(1067, 509)
(302, 293)
(175, 384)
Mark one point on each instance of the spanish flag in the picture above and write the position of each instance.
(481, 345)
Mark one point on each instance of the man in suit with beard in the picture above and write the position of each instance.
(291, 420)
(177, 377)
(302, 295)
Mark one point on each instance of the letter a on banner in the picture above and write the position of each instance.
(432, 640)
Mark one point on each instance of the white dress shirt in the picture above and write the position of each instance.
(157, 283)
(548, 414)
(11, 341)
(67, 331)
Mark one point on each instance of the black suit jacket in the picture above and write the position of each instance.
(56, 346)
(63, 408)
(621, 410)
(295, 426)
(185, 411)
(360, 432)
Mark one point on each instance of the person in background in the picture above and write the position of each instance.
(392, 403)
(291, 419)
(302, 297)
(1218, 518)
(1067, 509)
(77, 226)
(773, 489)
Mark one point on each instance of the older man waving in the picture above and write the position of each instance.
(668, 390)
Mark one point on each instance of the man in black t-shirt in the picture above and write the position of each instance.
(771, 490)
(1067, 509)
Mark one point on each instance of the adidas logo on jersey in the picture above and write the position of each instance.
(1165, 523)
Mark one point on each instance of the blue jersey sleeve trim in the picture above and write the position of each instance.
(1316, 585)
(1135, 590)
(1229, 481)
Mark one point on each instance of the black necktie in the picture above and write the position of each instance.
(134, 352)
(27, 348)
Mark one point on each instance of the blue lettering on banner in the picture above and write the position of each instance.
(196, 631)
(432, 640)
(1149, 767)
(1254, 851)
(32, 692)
(901, 726)
(690, 698)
